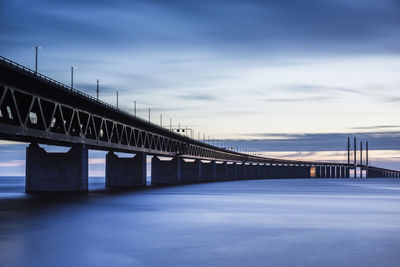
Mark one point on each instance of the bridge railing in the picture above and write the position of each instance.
(65, 87)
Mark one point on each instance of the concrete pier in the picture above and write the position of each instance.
(346, 172)
(56, 172)
(254, 171)
(241, 170)
(220, 171)
(301, 171)
(208, 172)
(341, 172)
(263, 171)
(190, 171)
(231, 173)
(274, 171)
(281, 171)
(317, 171)
(333, 172)
(323, 171)
(267, 171)
(165, 172)
(125, 172)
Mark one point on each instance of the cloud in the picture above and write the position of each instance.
(376, 127)
(318, 88)
(392, 99)
(5, 143)
(199, 97)
(300, 99)
(91, 87)
(97, 161)
(224, 26)
(317, 141)
(12, 163)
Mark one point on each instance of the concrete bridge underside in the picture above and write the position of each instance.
(52, 172)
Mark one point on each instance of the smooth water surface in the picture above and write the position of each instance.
(305, 222)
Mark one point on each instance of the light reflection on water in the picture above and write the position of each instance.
(310, 222)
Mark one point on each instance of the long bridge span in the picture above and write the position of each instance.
(39, 110)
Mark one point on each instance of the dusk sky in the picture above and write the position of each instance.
(285, 77)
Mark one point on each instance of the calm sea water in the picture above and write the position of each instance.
(313, 222)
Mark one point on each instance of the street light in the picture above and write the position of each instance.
(149, 114)
(117, 99)
(72, 76)
(97, 90)
(36, 56)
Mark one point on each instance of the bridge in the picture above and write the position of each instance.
(40, 110)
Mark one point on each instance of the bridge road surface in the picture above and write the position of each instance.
(305, 222)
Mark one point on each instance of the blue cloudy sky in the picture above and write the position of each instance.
(290, 78)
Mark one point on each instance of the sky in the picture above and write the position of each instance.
(286, 78)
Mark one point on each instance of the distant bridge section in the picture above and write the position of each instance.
(40, 110)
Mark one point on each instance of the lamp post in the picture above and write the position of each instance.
(149, 114)
(117, 99)
(97, 90)
(72, 77)
(36, 57)
(134, 108)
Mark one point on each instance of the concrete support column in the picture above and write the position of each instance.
(268, 171)
(317, 171)
(263, 171)
(125, 172)
(371, 173)
(288, 171)
(253, 171)
(260, 171)
(273, 171)
(190, 171)
(333, 172)
(56, 172)
(241, 170)
(306, 171)
(208, 171)
(221, 171)
(164, 172)
(247, 171)
(323, 171)
(280, 171)
(231, 171)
